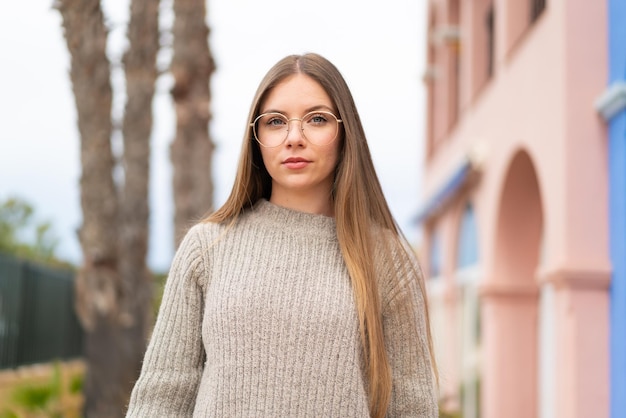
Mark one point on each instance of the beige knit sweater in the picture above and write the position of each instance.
(258, 320)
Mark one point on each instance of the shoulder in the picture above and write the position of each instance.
(192, 255)
(200, 235)
(211, 238)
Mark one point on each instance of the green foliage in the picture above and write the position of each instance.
(43, 399)
(76, 384)
(33, 398)
(14, 216)
(23, 236)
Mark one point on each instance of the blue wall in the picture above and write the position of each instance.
(617, 208)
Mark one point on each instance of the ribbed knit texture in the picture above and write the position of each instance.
(258, 320)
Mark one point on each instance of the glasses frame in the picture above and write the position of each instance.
(325, 112)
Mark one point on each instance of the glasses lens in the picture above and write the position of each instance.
(270, 129)
(319, 128)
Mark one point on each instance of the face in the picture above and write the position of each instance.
(299, 168)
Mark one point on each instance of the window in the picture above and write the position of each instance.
(482, 55)
(467, 254)
(436, 255)
(454, 64)
(490, 31)
(468, 276)
(430, 81)
(536, 7)
(519, 17)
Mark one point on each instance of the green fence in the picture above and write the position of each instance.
(37, 319)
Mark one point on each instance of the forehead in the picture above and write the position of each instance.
(296, 93)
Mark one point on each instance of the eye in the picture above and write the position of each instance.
(317, 118)
(274, 121)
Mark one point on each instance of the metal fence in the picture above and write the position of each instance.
(37, 319)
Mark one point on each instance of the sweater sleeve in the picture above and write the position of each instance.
(404, 323)
(173, 363)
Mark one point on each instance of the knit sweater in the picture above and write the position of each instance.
(258, 320)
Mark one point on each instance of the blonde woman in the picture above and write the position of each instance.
(299, 297)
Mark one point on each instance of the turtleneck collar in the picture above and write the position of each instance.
(293, 220)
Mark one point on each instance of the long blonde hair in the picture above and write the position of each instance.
(359, 203)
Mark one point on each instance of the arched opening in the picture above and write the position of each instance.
(519, 224)
(510, 305)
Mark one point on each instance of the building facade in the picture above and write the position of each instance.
(612, 106)
(516, 201)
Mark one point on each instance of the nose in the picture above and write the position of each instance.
(295, 133)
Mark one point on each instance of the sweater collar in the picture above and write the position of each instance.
(296, 221)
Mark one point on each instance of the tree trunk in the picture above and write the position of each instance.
(112, 286)
(191, 151)
(97, 283)
(136, 296)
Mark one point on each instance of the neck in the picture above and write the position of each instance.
(305, 202)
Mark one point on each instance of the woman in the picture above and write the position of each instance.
(299, 296)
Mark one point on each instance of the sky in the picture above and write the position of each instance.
(378, 47)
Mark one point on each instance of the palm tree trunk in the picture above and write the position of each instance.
(113, 286)
(136, 292)
(192, 149)
(97, 284)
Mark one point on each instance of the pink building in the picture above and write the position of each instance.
(515, 219)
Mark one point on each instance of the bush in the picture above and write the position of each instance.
(50, 399)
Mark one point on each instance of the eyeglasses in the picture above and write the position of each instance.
(318, 127)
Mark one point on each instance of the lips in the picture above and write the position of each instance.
(296, 163)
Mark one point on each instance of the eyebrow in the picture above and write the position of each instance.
(308, 110)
